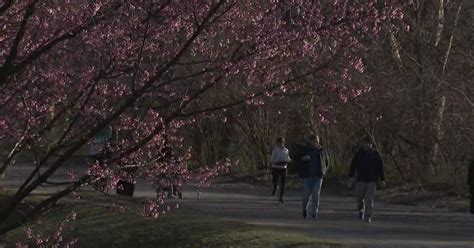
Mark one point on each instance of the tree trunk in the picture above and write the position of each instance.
(438, 134)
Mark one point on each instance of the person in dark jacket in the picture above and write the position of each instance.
(470, 182)
(366, 169)
(312, 162)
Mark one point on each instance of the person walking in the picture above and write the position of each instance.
(366, 169)
(279, 159)
(312, 162)
(100, 152)
(470, 182)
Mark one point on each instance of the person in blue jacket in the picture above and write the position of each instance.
(312, 163)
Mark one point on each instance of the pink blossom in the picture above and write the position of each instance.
(140, 69)
(56, 239)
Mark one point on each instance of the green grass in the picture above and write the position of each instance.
(95, 226)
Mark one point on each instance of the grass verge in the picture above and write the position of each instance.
(96, 226)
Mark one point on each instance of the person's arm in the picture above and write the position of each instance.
(287, 155)
(305, 154)
(354, 164)
(273, 157)
(294, 153)
(470, 173)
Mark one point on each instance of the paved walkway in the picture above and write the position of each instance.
(393, 226)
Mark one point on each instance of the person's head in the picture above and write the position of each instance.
(314, 139)
(367, 143)
(280, 142)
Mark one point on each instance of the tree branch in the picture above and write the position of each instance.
(5, 6)
(4, 70)
(21, 194)
(448, 51)
(34, 55)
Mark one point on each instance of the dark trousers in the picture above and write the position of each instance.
(471, 209)
(277, 173)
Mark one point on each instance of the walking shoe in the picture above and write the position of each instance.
(305, 214)
(368, 220)
(273, 192)
(361, 215)
(314, 217)
(281, 200)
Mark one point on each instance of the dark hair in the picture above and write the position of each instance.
(280, 140)
(312, 136)
(368, 139)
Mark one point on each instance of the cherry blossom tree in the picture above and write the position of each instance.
(56, 239)
(145, 69)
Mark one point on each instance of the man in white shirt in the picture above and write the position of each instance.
(279, 159)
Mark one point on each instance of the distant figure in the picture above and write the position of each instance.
(367, 165)
(312, 162)
(470, 182)
(126, 187)
(173, 191)
(100, 152)
(279, 159)
(170, 183)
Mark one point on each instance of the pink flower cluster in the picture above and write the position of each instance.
(55, 240)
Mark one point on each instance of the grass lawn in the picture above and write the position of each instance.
(96, 226)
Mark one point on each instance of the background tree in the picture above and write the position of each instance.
(411, 90)
(420, 108)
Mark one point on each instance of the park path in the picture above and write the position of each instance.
(393, 226)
